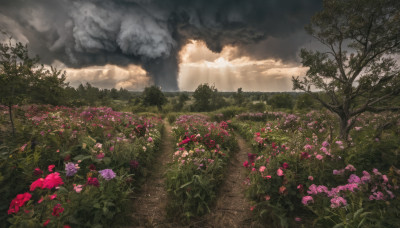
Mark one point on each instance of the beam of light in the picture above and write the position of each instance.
(228, 71)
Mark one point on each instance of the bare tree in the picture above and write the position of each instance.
(358, 71)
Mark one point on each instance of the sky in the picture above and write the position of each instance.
(174, 44)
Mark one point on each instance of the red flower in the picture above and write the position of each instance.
(52, 180)
(18, 202)
(92, 167)
(285, 165)
(57, 210)
(37, 172)
(93, 181)
(37, 184)
(51, 167)
(47, 222)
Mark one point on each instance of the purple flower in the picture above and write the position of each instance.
(71, 169)
(366, 177)
(107, 174)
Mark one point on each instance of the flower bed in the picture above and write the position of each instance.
(300, 174)
(198, 166)
(77, 167)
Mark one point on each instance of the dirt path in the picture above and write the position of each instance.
(232, 208)
(151, 201)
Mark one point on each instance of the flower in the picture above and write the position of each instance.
(51, 167)
(262, 168)
(46, 223)
(350, 168)
(77, 188)
(325, 144)
(312, 190)
(51, 197)
(150, 139)
(52, 180)
(92, 167)
(246, 164)
(18, 202)
(311, 178)
(36, 184)
(251, 157)
(70, 169)
(282, 190)
(337, 202)
(354, 179)
(100, 156)
(107, 174)
(279, 172)
(93, 181)
(307, 199)
(285, 165)
(37, 172)
(57, 210)
(319, 157)
(297, 219)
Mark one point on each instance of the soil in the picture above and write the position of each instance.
(232, 209)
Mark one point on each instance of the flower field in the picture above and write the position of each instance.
(74, 166)
(197, 170)
(299, 173)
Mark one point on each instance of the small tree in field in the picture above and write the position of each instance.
(357, 72)
(153, 96)
(23, 79)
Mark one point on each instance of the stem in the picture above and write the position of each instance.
(11, 118)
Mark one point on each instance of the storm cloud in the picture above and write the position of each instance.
(150, 33)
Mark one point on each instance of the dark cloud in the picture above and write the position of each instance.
(151, 32)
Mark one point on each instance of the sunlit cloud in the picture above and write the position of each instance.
(228, 72)
(131, 77)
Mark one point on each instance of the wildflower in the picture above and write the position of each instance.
(285, 165)
(319, 157)
(111, 148)
(385, 178)
(246, 164)
(307, 147)
(338, 172)
(100, 156)
(46, 223)
(51, 197)
(307, 199)
(98, 145)
(93, 181)
(18, 202)
(337, 202)
(297, 219)
(52, 180)
(262, 168)
(77, 188)
(107, 174)
(41, 200)
(300, 187)
(134, 164)
(325, 144)
(37, 172)
(322, 189)
(150, 139)
(354, 179)
(282, 190)
(350, 168)
(267, 197)
(51, 167)
(377, 196)
(279, 172)
(312, 190)
(71, 169)
(305, 155)
(311, 178)
(36, 184)
(57, 210)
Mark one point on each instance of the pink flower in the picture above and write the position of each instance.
(57, 210)
(338, 172)
(246, 164)
(267, 197)
(279, 172)
(377, 196)
(41, 200)
(319, 157)
(77, 188)
(100, 156)
(262, 168)
(354, 179)
(37, 172)
(307, 199)
(51, 167)
(46, 223)
(312, 190)
(111, 148)
(337, 202)
(376, 172)
(311, 178)
(150, 139)
(322, 189)
(51, 197)
(307, 147)
(350, 168)
(325, 144)
(297, 219)
(52, 180)
(285, 165)
(282, 190)
(385, 178)
(36, 184)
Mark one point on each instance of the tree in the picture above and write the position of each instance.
(305, 101)
(203, 95)
(22, 78)
(153, 96)
(357, 72)
(281, 100)
(239, 97)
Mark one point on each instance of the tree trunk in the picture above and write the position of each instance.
(11, 119)
(344, 128)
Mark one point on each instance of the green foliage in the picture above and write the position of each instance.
(281, 100)
(152, 96)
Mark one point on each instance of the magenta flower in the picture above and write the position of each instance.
(307, 199)
(337, 202)
(354, 179)
(312, 190)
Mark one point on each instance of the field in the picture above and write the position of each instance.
(95, 167)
